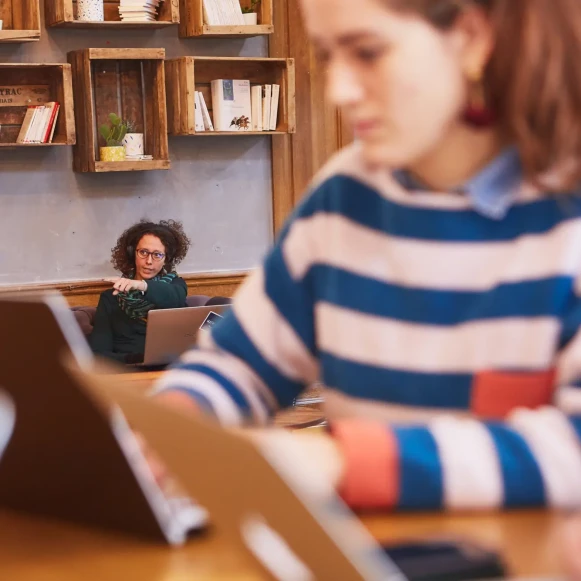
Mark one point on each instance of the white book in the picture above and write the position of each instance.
(30, 129)
(274, 107)
(210, 13)
(237, 12)
(206, 114)
(221, 11)
(25, 124)
(231, 104)
(266, 98)
(198, 118)
(38, 124)
(256, 99)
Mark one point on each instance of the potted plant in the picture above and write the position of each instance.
(249, 13)
(90, 10)
(113, 135)
(133, 142)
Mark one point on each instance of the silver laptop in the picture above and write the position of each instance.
(170, 332)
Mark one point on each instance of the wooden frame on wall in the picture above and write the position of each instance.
(55, 82)
(192, 22)
(185, 75)
(126, 81)
(21, 21)
(63, 13)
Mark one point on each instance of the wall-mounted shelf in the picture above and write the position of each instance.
(21, 21)
(192, 22)
(49, 82)
(185, 75)
(126, 81)
(63, 13)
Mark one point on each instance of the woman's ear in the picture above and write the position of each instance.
(475, 31)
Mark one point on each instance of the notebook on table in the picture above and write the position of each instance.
(65, 454)
(70, 456)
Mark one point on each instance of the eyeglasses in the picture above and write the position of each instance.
(157, 256)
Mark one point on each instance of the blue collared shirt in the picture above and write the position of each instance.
(492, 191)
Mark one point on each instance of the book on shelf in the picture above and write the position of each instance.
(139, 10)
(222, 12)
(198, 117)
(275, 93)
(266, 99)
(231, 104)
(256, 100)
(208, 125)
(39, 123)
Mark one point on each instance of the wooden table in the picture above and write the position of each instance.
(39, 550)
(299, 416)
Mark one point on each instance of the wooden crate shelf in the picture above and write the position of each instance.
(185, 75)
(21, 20)
(192, 22)
(63, 13)
(126, 81)
(55, 79)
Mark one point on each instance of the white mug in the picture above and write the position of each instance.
(1, 23)
(133, 143)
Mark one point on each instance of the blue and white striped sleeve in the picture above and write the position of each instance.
(262, 354)
(532, 459)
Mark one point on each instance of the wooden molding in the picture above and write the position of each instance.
(86, 293)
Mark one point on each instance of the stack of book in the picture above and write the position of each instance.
(238, 106)
(139, 10)
(265, 107)
(222, 12)
(39, 123)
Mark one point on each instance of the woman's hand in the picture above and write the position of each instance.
(570, 546)
(124, 285)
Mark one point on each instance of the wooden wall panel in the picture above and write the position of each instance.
(320, 129)
(86, 293)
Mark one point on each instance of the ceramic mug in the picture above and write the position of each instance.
(133, 143)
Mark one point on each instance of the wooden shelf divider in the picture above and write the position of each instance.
(21, 21)
(126, 81)
(192, 22)
(63, 13)
(49, 82)
(185, 75)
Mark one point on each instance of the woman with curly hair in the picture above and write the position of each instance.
(146, 255)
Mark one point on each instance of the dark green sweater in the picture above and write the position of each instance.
(117, 336)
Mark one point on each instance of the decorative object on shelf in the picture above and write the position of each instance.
(1, 24)
(90, 10)
(133, 142)
(250, 18)
(249, 13)
(113, 134)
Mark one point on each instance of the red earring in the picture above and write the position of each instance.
(478, 113)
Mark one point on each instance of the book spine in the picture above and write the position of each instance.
(206, 114)
(25, 125)
(50, 122)
(57, 109)
(217, 103)
(266, 107)
(198, 119)
(274, 107)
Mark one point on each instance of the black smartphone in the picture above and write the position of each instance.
(445, 561)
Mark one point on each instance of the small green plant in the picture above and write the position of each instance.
(251, 8)
(114, 133)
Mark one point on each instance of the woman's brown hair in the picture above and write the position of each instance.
(170, 232)
(533, 79)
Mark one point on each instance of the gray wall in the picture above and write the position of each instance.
(56, 225)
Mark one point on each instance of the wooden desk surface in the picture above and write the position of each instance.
(38, 550)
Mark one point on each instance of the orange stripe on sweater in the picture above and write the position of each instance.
(371, 474)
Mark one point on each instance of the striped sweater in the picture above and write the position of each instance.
(465, 303)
